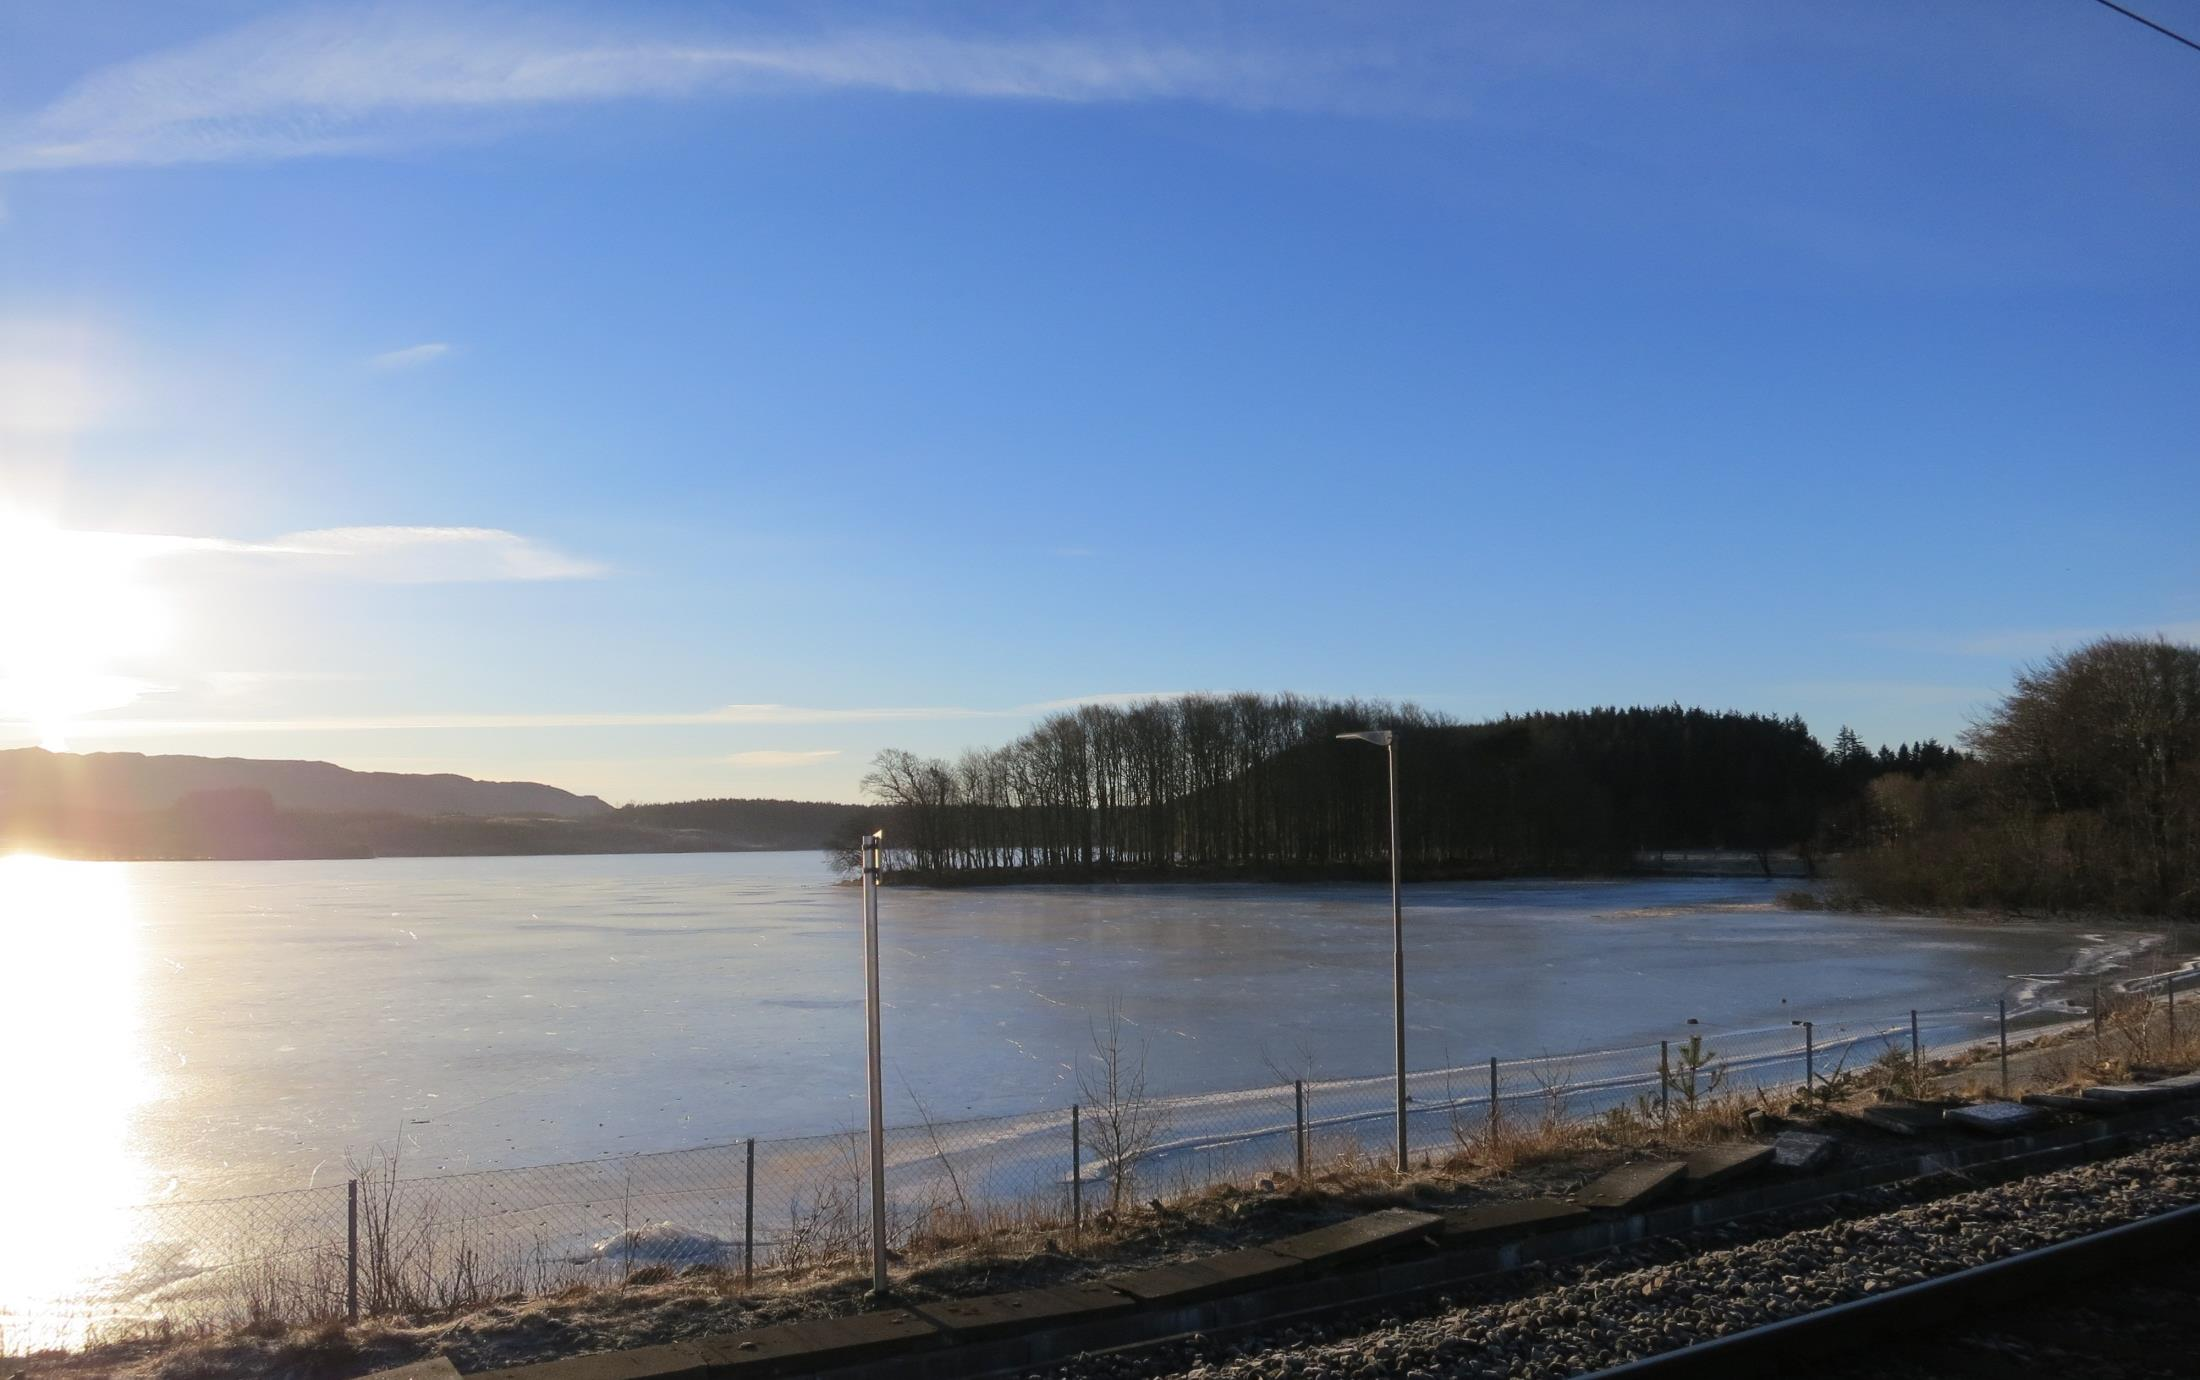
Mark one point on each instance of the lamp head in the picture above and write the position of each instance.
(1380, 737)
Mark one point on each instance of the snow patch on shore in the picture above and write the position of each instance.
(662, 1243)
(2101, 953)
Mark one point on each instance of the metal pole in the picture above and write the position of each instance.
(1076, 1169)
(1665, 1082)
(2003, 1007)
(2096, 1020)
(1917, 1054)
(748, 1219)
(1298, 1122)
(1810, 1057)
(351, 1253)
(2173, 1011)
(1493, 1102)
(878, 1086)
(1397, 950)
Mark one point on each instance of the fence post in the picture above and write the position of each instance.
(1298, 1123)
(2003, 1008)
(1810, 1057)
(1076, 1170)
(1917, 1055)
(2096, 1020)
(2173, 1012)
(1493, 1103)
(1665, 1082)
(748, 1219)
(351, 1252)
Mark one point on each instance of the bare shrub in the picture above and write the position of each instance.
(828, 1227)
(1896, 1073)
(1468, 1130)
(2131, 1028)
(939, 1150)
(1126, 1121)
(1839, 1085)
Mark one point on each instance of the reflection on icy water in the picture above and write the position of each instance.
(71, 1028)
(196, 1032)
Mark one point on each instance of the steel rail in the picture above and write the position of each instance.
(1932, 1303)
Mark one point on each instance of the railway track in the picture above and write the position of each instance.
(2136, 1322)
(1976, 1321)
(1925, 1287)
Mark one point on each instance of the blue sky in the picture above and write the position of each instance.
(667, 400)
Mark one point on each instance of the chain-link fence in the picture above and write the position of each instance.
(386, 1242)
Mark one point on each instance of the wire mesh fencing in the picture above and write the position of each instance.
(386, 1242)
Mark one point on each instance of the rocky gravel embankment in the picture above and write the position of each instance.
(1601, 1315)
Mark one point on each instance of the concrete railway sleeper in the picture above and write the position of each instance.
(1763, 1307)
(1538, 1289)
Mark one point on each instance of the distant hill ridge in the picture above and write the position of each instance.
(124, 805)
(36, 779)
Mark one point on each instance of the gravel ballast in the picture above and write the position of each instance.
(1602, 1316)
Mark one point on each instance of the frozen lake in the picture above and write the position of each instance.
(201, 1029)
(179, 1032)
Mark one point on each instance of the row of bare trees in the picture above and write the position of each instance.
(1258, 785)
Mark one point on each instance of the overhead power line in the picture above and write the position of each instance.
(2142, 19)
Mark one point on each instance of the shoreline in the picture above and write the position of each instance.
(1784, 871)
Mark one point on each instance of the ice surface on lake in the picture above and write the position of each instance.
(255, 1028)
(481, 1012)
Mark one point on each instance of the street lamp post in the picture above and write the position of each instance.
(1388, 741)
(872, 847)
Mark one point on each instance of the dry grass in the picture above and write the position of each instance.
(2135, 1036)
(1515, 1145)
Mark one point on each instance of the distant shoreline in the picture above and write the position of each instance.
(1788, 870)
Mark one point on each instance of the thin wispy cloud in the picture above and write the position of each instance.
(55, 377)
(411, 357)
(738, 715)
(390, 554)
(732, 714)
(23, 697)
(776, 757)
(434, 555)
(2036, 642)
(229, 684)
(74, 655)
(364, 79)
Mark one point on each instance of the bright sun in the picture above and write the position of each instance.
(73, 616)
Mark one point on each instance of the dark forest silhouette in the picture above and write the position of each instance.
(1257, 785)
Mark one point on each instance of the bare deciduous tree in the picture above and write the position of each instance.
(2085, 795)
(1257, 783)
